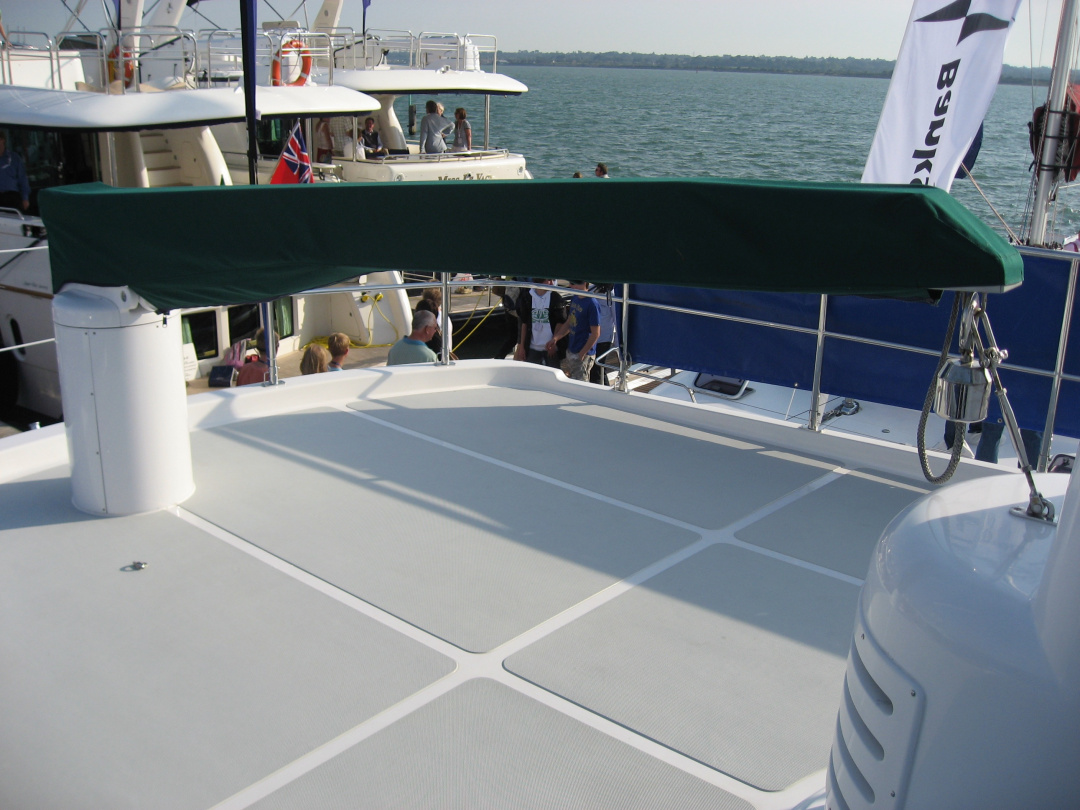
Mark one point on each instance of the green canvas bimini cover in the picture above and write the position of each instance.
(186, 247)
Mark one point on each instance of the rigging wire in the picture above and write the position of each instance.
(1031, 54)
(74, 14)
(982, 193)
(267, 2)
(195, 10)
(113, 23)
(301, 5)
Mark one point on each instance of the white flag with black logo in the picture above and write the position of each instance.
(944, 80)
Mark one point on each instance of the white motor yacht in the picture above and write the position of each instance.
(399, 65)
(156, 105)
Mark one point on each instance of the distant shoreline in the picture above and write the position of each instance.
(849, 67)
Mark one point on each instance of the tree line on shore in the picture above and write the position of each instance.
(816, 66)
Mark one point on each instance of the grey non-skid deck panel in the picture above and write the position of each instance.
(468, 551)
(680, 472)
(483, 745)
(837, 526)
(732, 658)
(173, 686)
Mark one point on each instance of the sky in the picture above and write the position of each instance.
(870, 29)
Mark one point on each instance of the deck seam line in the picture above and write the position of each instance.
(321, 585)
(563, 484)
(764, 511)
(529, 473)
(708, 538)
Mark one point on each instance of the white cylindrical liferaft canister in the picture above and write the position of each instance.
(125, 406)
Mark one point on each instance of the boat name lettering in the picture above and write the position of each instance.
(946, 78)
(469, 176)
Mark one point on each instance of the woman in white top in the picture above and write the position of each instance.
(462, 131)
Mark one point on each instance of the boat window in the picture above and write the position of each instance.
(244, 320)
(271, 134)
(16, 335)
(54, 158)
(200, 329)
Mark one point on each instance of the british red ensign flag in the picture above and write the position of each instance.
(294, 165)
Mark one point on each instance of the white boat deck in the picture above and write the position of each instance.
(475, 586)
(872, 420)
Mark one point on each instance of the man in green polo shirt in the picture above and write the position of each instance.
(412, 348)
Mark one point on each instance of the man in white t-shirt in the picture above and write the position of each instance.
(539, 311)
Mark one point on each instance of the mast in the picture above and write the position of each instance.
(1054, 123)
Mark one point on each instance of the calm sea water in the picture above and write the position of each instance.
(660, 123)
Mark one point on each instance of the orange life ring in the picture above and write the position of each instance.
(296, 46)
(116, 58)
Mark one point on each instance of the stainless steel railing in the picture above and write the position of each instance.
(821, 333)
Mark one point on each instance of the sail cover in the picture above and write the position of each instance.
(945, 75)
(185, 247)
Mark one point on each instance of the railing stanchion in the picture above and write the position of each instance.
(819, 353)
(444, 358)
(266, 313)
(1059, 369)
(624, 342)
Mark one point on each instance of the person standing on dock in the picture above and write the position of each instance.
(435, 344)
(316, 360)
(338, 343)
(434, 295)
(412, 348)
(539, 311)
(583, 327)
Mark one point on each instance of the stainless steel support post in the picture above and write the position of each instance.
(819, 353)
(1038, 507)
(266, 315)
(624, 342)
(444, 355)
(1059, 369)
(487, 122)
